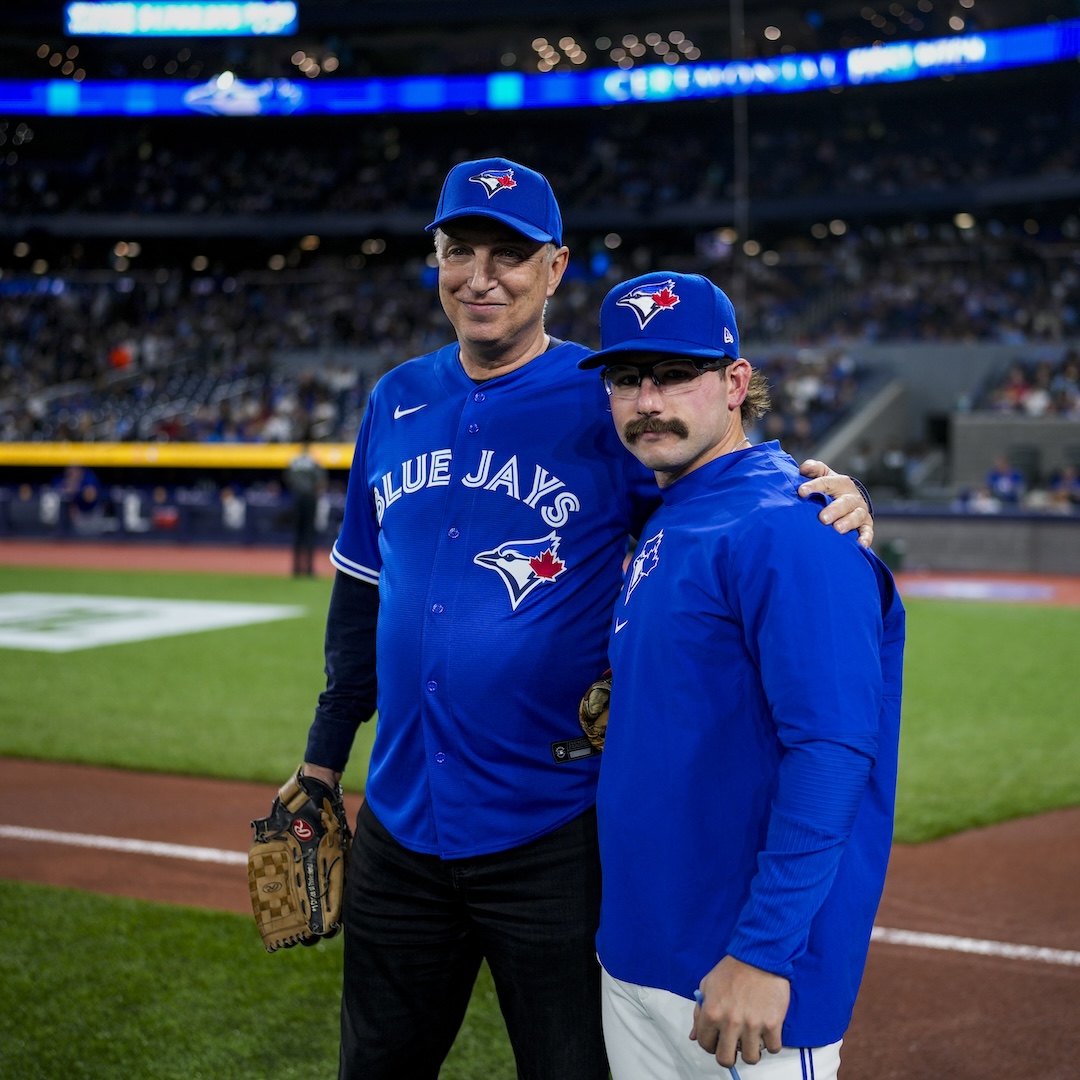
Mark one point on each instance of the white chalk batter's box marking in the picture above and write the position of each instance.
(63, 622)
(1007, 591)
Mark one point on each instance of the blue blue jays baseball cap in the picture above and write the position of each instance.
(496, 188)
(665, 312)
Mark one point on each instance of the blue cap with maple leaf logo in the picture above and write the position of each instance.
(505, 191)
(665, 312)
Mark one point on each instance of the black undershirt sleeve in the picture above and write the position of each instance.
(349, 697)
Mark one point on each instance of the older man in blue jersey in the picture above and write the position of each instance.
(486, 523)
(745, 803)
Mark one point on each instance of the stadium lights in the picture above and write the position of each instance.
(64, 62)
(311, 66)
(625, 53)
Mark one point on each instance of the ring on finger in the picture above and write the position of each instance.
(761, 1047)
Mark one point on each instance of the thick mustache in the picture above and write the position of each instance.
(650, 424)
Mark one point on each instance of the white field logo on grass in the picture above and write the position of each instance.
(57, 622)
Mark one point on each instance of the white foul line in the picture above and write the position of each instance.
(949, 943)
(913, 938)
(118, 843)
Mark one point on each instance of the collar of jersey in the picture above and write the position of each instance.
(539, 365)
(712, 474)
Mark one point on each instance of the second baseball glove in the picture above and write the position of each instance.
(296, 864)
(593, 710)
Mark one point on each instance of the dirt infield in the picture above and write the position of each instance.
(957, 996)
(154, 555)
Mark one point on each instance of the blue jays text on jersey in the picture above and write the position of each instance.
(434, 469)
(494, 518)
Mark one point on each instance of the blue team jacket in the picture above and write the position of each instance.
(747, 788)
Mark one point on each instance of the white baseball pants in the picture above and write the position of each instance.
(647, 1032)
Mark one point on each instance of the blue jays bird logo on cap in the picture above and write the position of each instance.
(647, 300)
(495, 180)
(524, 565)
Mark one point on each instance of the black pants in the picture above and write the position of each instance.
(417, 927)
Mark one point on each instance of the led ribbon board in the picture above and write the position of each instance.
(225, 95)
(209, 18)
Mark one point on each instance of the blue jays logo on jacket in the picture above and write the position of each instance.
(495, 180)
(647, 560)
(647, 301)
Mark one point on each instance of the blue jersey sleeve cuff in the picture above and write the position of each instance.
(353, 568)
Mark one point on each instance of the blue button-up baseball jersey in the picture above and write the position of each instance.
(494, 518)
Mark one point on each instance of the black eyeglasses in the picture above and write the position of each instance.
(670, 376)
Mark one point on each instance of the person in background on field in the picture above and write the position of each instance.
(305, 479)
(81, 497)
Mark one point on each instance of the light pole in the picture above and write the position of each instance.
(741, 152)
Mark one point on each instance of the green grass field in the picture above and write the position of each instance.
(97, 987)
(231, 703)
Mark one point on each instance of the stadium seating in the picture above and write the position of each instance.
(167, 285)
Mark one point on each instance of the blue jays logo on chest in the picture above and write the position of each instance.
(646, 561)
(525, 565)
(495, 180)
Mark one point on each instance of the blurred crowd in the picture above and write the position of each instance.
(173, 355)
(861, 234)
(173, 361)
(1036, 388)
(166, 357)
(1014, 482)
